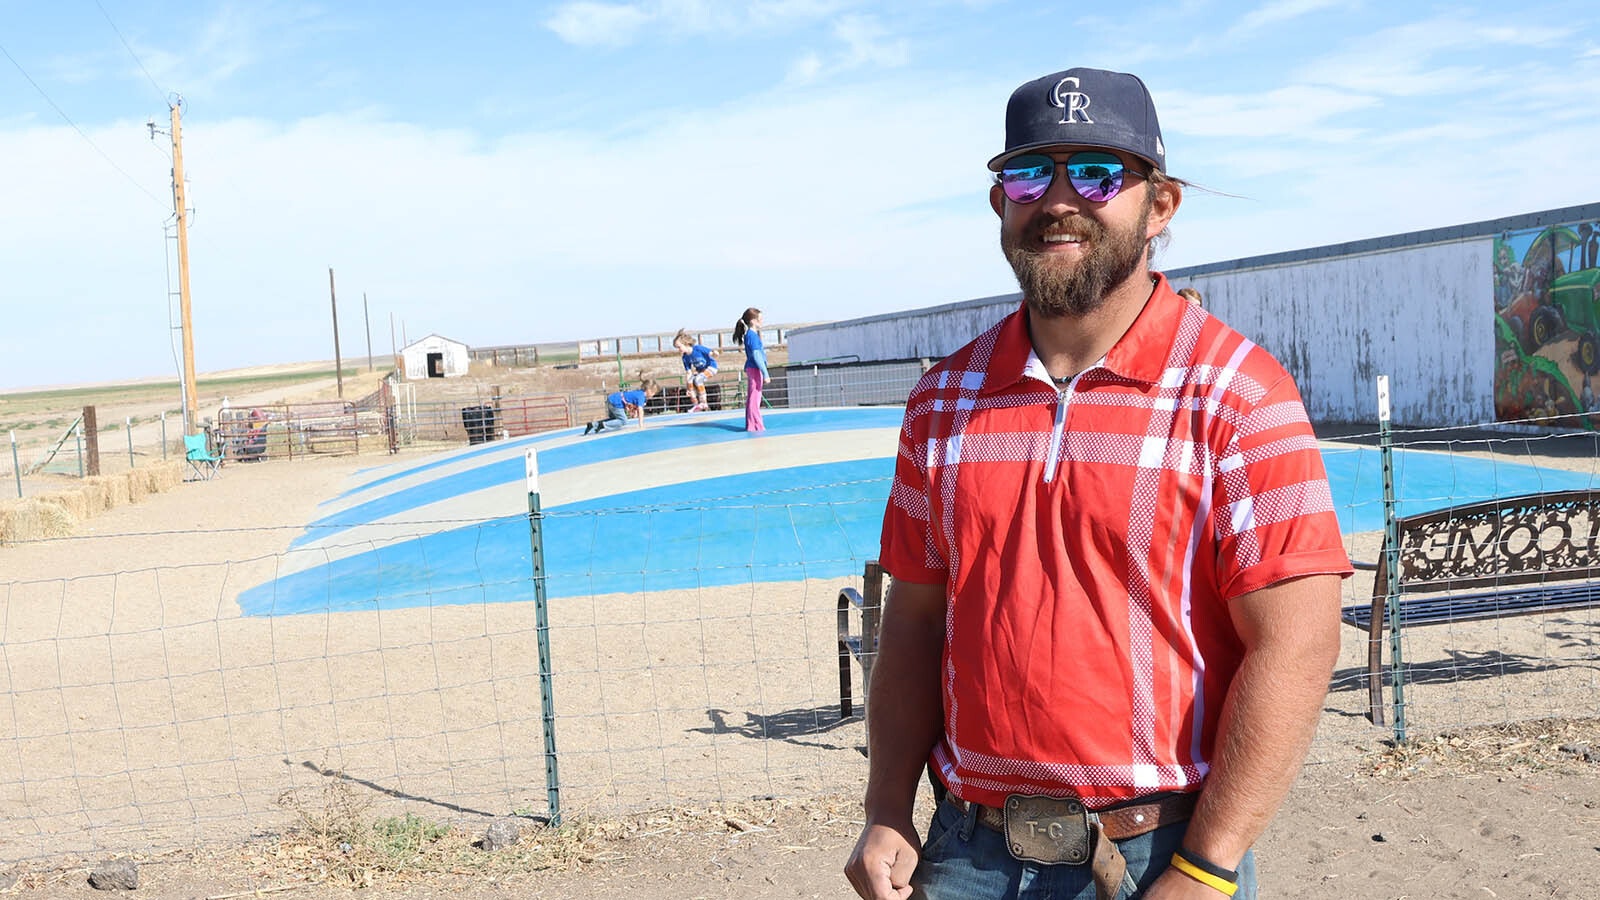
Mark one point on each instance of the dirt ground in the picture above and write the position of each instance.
(1497, 814)
(1470, 809)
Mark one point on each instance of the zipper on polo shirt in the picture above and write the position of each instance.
(1058, 432)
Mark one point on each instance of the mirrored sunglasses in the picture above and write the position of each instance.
(1095, 174)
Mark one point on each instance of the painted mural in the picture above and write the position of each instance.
(1547, 325)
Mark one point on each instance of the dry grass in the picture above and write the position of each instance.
(1511, 750)
(336, 845)
(335, 841)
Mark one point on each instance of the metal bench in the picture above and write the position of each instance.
(1513, 556)
(862, 644)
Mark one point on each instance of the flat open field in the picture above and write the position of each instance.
(39, 419)
(701, 751)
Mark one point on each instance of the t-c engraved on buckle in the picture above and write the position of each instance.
(1047, 829)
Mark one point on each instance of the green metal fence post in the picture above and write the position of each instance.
(1391, 562)
(541, 613)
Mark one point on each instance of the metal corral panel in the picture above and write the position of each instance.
(872, 384)
(931, 333)
(1421, 315)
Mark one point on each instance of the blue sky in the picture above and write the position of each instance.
(551, 171)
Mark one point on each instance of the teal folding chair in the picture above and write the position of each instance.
(202, 461)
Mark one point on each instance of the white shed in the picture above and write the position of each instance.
(434, 357)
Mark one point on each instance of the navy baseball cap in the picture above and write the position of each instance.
(1087, 108)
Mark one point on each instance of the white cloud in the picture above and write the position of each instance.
(1301, 113)
(779, 11)
(806, 69)
(520, 239)
(209, 55)
(867, 42)
(599, 24)
(1278, 12)
(586, 23)
(1399, 61)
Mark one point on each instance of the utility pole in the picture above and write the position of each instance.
(367, 317)
(180, 207)
(338, 364)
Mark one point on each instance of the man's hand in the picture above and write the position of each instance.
(881, 864)
(904, 718)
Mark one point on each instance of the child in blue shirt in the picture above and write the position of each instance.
(747, 331)
(699, 363)
(620, 404)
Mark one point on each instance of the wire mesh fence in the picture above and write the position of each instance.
(181, 702)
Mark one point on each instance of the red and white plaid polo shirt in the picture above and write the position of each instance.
(1090, 538)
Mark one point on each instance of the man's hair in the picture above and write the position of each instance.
(1158, 179)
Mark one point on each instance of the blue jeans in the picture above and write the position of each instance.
(964, 860)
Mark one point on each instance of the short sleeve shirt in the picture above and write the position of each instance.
(620, 399)
(698, 359)
(1090, 538)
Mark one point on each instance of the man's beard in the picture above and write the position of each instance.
(1054, 288)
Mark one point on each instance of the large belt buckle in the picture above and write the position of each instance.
(1047, 829)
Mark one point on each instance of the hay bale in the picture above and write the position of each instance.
(278, 441)
(164, 476)
(34, 518)
(78, 503)
(160, 476)
(135, 485)
(57, 514)
(92, 490)
(105, 492)
(153, 479)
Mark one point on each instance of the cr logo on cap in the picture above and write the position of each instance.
(1072, 103)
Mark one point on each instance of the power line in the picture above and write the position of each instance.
(136, 59)
(68, 119)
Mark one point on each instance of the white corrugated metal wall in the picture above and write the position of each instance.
(1421, 315)
(1417, 307)
(930, 333)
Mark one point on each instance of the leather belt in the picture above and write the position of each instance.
(1120, 822)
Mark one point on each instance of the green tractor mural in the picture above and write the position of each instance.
(1547, 322)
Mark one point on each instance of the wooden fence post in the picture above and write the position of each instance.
(91, 441)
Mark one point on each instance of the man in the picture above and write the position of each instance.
(1114, 612)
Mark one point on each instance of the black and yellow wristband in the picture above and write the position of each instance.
(1206, 872)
